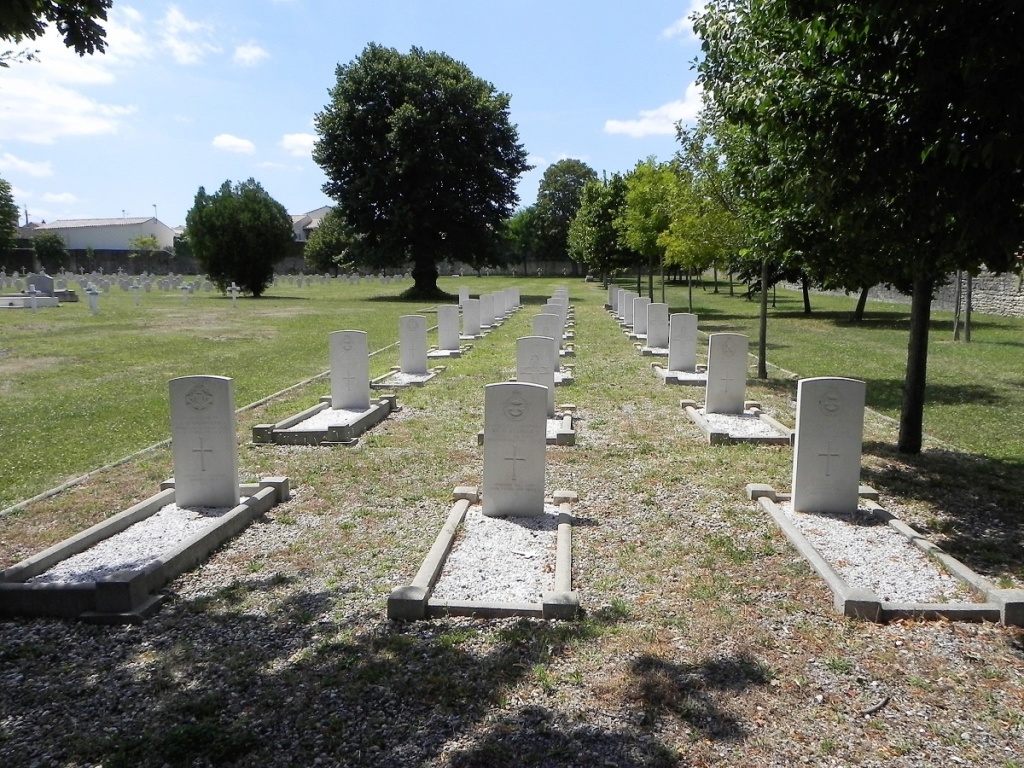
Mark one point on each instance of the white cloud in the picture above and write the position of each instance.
(684, 27)
(230, 143)
(298, 144)
(661, 120)
(187, 40)
(39, 112)
(59, 197)
(9, 162)
(250, 54)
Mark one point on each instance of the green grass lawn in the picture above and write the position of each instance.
(80, 391)
(974, 390)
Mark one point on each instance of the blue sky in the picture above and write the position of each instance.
(190, 94)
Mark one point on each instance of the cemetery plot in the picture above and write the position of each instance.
(141, 549)
(752, 425)
(877, 567)
(111, 573)
(491, 556)
(342, 417)
(325, 425)
(494, 567)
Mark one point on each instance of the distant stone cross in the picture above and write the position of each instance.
(828, 456)
(184, 294)
(233, 290)
(514, 458)
(200, 450)
(135, 291)
(33, 293)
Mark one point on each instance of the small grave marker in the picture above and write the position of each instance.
(827, 452)
(203, 441)
(412, 344)
(350, 370)
(727, 373)
(515, 427)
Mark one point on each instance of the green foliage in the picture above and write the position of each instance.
(328, 244)
(881, 140)
(593, 237)
(521, 234)
(422, 159)
(77, 20)
(8, 216)
(238, 234)
(50, 251)
(144, 243)
(558, 200)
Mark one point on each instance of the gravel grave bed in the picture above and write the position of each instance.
(328, 417)
(744, 424)
(136, 546)
(501, 559)
(868, 553)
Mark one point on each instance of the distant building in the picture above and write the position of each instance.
(306, 223)
(107, 234)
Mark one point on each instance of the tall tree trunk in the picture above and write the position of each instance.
(805, 286)
(912, 412)
(424, 275)
(957, 299)
(715, 266)
(689, 287)
(862, 302)
(968, 306)
(762, 343)
(639, 277)
(731, 293)
(650, 279)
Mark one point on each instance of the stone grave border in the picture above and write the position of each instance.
(381, 382)
(127, 597)
(997, 605)
(341, 434)
(566, 434)
(714, 437)
(700, 375)
(413, 601)
(433, 353)
(651, 351)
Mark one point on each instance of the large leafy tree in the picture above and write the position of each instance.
(647, 215)
(78, 21)
(51, 251)
(8, 216)
(522, 238)
(237, 235)
(593, 237)
(890, 133)
(422, 159)
(558, 199)
(328, 244)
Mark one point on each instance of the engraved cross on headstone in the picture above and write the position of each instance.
(828, 455)
(201, 451)
(514, 458)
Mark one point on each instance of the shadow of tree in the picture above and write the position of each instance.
(225, 686)
(663, 688)
(980, 508)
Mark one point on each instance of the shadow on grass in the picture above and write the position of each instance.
(979, 502)
(664, 688)
(887, 394)
(221, 685)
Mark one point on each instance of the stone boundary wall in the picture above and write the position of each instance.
(991, 295)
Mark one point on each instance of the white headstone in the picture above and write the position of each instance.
(515, 439)
(412, 344)
(448, 327)
(657, 326)
(727, 373)
(487, 309)
(203, 441)
(550, 326)
(350, 370)
(627, 308)
(613, 297)
(463, 294)
(471, 318)
(534, 366)
(682, 342)
(94, 299)
(640, 304)
(827, 452)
